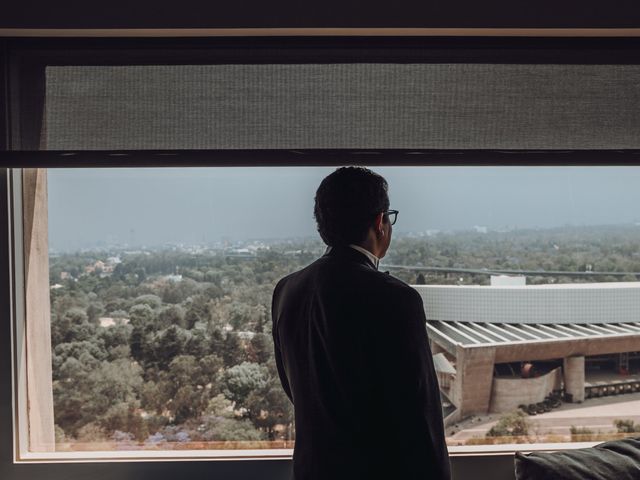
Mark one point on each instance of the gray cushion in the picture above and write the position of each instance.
(616, 460)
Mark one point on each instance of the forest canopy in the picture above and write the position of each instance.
(168, 345)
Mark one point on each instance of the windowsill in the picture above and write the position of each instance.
(154, 456)
(512, 448)
(274, 454)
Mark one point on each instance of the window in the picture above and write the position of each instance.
(160, 283)
(156, 107)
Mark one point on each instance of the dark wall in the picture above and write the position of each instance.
(464, 468)
(326, 13)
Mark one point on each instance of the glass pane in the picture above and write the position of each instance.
(161, 284)
(434, 106)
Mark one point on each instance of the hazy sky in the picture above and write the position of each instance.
(195, 205)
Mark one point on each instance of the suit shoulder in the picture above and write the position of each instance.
(395, 287)
(395, 284)
(283, 282)
(293, 277)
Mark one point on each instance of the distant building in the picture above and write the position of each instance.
(173, 278)
(246, 335)
(506, 280)
(114, 260)
(98, 265)
(241, 253)
(107, 322)
(104, 268)
(581, 338)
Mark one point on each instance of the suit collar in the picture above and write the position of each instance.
(350, 254)
(372, 258)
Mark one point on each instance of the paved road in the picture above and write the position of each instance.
(597, 414)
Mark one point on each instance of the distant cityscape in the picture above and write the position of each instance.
(169, 346)
(250, 246)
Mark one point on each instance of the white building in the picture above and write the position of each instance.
(574, 327)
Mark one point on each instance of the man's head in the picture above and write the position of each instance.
(349, 209)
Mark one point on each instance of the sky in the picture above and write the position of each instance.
(92, 207)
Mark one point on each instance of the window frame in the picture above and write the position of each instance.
(21, 345)
(22, 64)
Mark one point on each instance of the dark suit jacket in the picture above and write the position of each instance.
(353, 356)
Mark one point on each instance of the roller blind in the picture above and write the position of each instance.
(377, 106)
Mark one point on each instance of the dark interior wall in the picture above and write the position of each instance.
(328, 13)
(464, 468)
(259, 14)
(6, 431)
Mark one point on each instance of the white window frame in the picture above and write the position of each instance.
(30, 202)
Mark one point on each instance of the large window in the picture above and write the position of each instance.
(142, 302)
(160, 281)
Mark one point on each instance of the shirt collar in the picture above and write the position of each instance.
(375, 260)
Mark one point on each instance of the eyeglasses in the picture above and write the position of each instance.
(392, 215)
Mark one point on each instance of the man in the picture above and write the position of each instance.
(352, 349)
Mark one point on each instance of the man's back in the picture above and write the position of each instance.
(353, 355)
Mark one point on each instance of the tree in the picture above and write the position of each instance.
(216, 341)
(185, 399)
(178, 292)
(213, 291)
(92, 432)
(151, 397)
(626, 426)
(94, 311)
(152, 301)
(260, 348)
(229, 429)
(72, 325)
(142, 315)
(164, 346)
(115, 336)
(268, 407)
(197, 311)
(220, 406)
(188, 402)
(87, 354)
(68, 402)
(210, 367)
(87, 389)
(197, 343)
(240, 380)
(137, 343)
(142, 320)
(240, 316)
(232, 350)
(123, 417)
(513, 424)
(171, 315)
(119, 381)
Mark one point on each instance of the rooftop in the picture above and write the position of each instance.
(549, 304)
(546, 286)
(490, 334)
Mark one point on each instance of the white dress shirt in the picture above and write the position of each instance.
(375, 260)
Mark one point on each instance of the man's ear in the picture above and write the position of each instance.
(378, 222)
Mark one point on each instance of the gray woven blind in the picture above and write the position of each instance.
(421, 106)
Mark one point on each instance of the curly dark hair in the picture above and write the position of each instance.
(347, 202)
